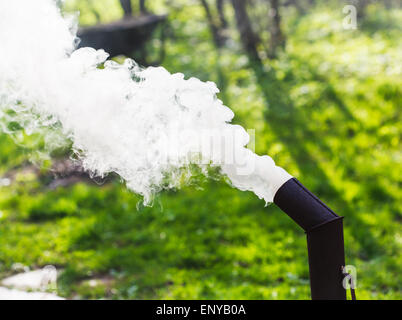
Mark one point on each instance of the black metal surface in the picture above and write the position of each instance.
(325, 243)
(121, 37)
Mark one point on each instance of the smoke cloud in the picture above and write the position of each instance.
(144, 124)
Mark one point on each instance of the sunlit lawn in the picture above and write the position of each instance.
(335, 124)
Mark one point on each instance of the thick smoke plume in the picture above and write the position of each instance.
(146, 125)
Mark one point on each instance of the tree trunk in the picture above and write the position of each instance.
(248, 38)
(221, 13)
(361, 8)
(277, 39)
(218, 40)
(143, 8)
(126, 6)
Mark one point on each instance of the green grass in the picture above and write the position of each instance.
(328, 110)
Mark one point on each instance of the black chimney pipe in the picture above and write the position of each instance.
(325, 244)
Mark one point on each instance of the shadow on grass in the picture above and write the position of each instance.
(293, 129)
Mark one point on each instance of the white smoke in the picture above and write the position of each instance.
(147, 125)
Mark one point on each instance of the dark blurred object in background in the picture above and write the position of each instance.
(121, 37)
(125, 36)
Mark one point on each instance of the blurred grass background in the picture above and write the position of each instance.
(327, 108)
